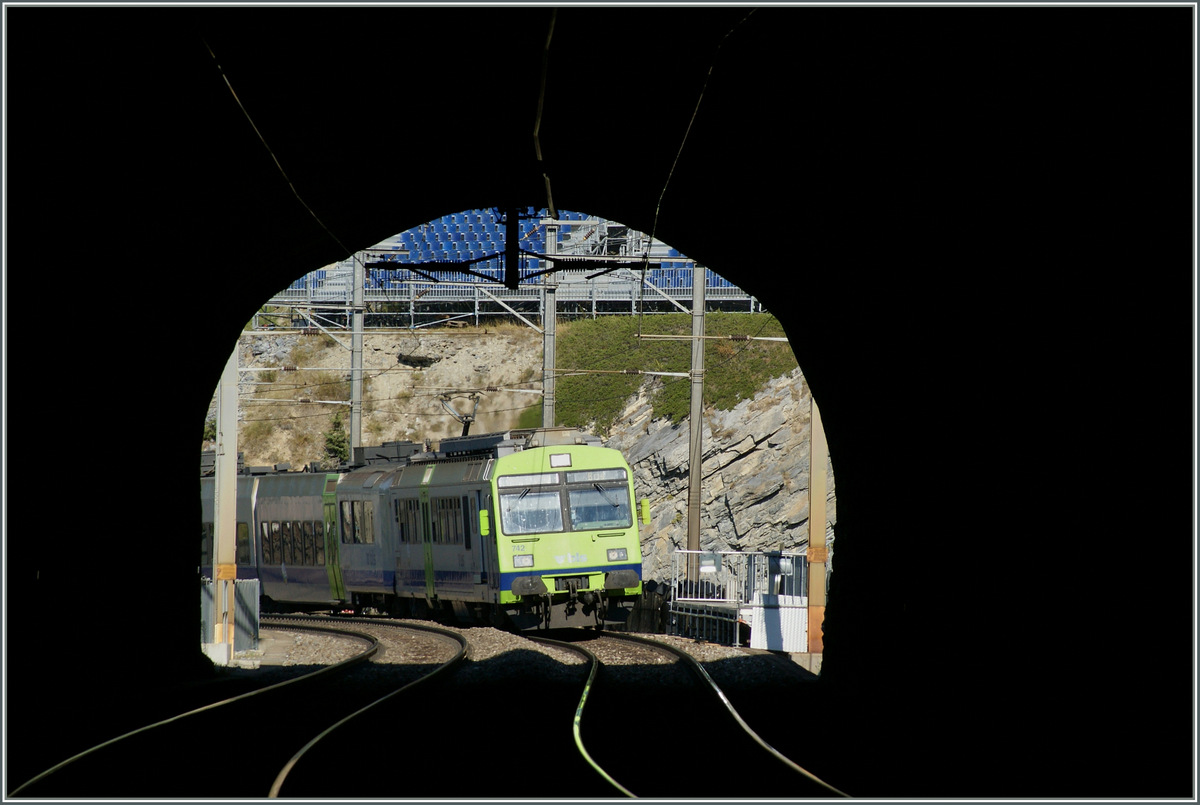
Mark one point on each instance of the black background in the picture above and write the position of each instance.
(975, 224)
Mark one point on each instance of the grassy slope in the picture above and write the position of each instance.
(734, 370)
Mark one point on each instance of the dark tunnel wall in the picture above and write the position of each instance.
(974, 224)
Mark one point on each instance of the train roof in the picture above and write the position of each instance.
(481, 445)
(208, 467)
(478, 446)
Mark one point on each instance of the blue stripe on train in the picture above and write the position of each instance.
(377, 580)
(416, 577)
(295, 583)
(289, 574)
(506, 579)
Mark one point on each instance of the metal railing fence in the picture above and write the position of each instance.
(718, 600)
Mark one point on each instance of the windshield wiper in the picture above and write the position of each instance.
(616, 504)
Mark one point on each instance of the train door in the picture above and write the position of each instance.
(481, 558)
(333, 565)
(492, 559)
(247, 528)
(427, 543)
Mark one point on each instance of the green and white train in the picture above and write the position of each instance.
(537, 528)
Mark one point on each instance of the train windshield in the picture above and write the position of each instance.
(530, 512)
(595, 499)
(600, 506)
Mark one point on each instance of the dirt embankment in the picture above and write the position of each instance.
(407, 375)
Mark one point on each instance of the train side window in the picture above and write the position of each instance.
(285, 528)
(319, 541)
(310, 558)
(441, 534)
(358, 521)
(448, 521)
(368, 522)
(347, 521)
(206, 541)
(243, 544)
(410, 517)
(297, 543)
(268, 556)
(276, 544)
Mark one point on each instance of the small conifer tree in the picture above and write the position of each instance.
(337, 443)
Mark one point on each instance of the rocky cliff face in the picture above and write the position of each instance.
(755, 475)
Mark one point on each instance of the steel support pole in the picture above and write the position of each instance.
(818, 551)
(512, 249)
(549, 320)
(225, 506)
(696, 422)
(356, 358)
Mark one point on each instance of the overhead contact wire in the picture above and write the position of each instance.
(274, 158)
(695, 112)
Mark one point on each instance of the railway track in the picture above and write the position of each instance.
(417, 714)
(499, 725)
(222, 748)
(716, 754)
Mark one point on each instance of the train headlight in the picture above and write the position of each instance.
(523, 560)
(618, 554)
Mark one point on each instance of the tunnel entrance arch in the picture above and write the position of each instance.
(413, 280)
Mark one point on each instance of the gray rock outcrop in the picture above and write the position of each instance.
(755, 475)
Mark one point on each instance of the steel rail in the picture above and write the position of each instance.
(444, 633)
(372, 647)
(587, 687)
(698, 667)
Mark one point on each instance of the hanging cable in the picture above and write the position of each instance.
(274, 158)
(537, 124)
(695, 111)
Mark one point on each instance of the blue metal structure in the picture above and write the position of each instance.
(458, 258)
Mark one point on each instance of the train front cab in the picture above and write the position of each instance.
(567, 537)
